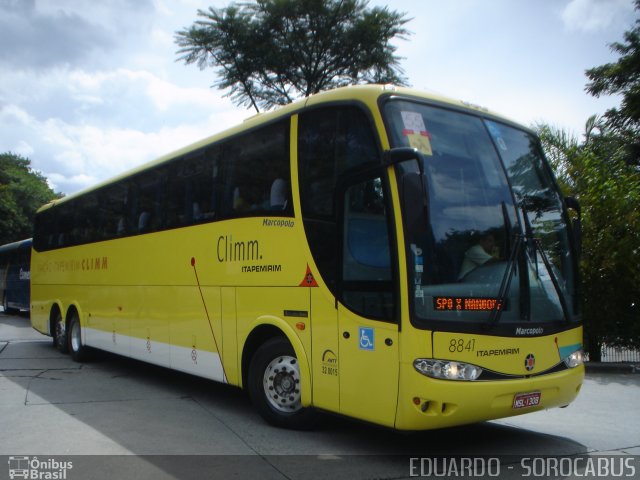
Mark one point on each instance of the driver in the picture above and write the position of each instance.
(484, 251)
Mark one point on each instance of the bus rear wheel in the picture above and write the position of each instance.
(60, 334)
(79, 352)
(274, 386)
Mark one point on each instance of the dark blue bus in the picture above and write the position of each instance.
(15, 275)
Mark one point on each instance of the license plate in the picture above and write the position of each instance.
(525, 400)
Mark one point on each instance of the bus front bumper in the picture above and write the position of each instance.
(425, 403)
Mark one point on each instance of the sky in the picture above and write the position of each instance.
(91, 89)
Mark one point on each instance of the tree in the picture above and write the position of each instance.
(22, 192)
(622, 77)
(595, 171)
(271, 52)
(603, 171)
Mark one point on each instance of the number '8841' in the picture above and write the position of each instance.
(460, 345)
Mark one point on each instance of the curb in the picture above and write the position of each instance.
(599, 367)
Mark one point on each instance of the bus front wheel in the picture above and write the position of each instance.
(274, 386)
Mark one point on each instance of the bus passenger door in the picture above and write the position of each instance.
(367, 311)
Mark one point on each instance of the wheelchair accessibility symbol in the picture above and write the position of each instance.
(366, 338)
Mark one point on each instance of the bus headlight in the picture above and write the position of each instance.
(447, 370)
(575, 359)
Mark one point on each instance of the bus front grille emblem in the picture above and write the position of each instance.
(530, 362)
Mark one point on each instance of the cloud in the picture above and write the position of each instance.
(24, 149)
(75, 156)
(90, 89)
(86, 155)
(41, 35)
(121, 97)
(138, 97)
(33, 39)
(596, 15)
(96, 125)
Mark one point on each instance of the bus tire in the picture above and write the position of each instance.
(274, 386)
(5, 305)
(79, 352)
(60, 333)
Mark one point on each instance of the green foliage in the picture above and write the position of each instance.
(22, 192)
(603, 172)
(595, 171)
(271, 52)
(622, 78)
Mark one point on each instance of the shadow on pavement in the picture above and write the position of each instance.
(115, 405)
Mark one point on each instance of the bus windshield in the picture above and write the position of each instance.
(486, 236)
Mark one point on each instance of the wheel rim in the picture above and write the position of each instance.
(281, 384)
(76, 341)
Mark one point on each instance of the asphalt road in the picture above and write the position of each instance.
(164, 424)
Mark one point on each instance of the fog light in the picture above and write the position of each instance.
(447, 370)
(575, 359)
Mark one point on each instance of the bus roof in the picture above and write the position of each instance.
(20, 244)
(368, 94)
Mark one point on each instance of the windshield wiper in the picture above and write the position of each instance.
(536, 247)
(507, 225)
(494, 317)
(530, 238)
(505, 284)
(554, 279)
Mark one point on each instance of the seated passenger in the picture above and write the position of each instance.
(196, 211)
(143, 222)
(278, 198)
(239, 203)
(484, 251)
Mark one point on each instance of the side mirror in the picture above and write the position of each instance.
(573, 204)
(413, 195)
(403, 154)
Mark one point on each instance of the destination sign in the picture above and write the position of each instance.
(466, 303)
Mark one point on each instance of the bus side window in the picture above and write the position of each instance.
(116, 214)
(367, 273)
(256, 168)
(88, 218)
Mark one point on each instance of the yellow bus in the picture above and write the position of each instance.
(372, 251)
